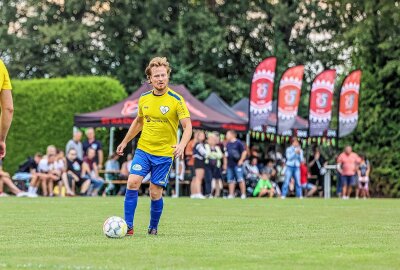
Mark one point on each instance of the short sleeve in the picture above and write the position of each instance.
(140, 110)
(99, 146)
(182, 111)
(5, 77)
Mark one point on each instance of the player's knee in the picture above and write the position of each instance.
(133, 184)
(156, 193)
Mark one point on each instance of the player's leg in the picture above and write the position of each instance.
(140, 167)
(160, 168)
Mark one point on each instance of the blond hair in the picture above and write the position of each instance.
(157, 62)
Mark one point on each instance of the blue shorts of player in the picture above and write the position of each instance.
(234, 173)
(159, 167)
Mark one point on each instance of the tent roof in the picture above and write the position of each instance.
(242, 108)
(218, 104)
(123, 113)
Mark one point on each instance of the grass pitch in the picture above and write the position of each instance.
(66, 233)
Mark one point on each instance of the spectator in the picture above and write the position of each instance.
(294, 156)
(264, 186)
(270, 169)
(27, 170)
(251, 169)
(347, 165)
(75, 143)
(6, 179)
(317, 167)
(281, 171)
(213, 165)
(91, 142)
(309, 188)
(189, 158)
(91, 170)
(112, 171)
(235, 155)
(125, 167)
(48, 174)
(75, 175)
(363, 177)
(199, 154)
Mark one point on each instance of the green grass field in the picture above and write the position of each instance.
(66, 233)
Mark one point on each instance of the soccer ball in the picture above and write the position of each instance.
(115, 227)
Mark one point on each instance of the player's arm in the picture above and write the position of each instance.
(7, 111)
(134, 129)
(186, 124)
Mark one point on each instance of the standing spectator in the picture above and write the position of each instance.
(75, 143)
(347, 165)
(75, 174)
(294, 157)
(363, 177)
(91, 142)
(235, 155)
(91, 170)
(189, 158)
(309, 188)
(199, 154)
(317, 167)
(264, 186)
(213, 165)
(7, 107)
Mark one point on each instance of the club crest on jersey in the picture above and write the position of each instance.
(136, 167)
(164, 109)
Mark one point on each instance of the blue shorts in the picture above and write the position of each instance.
(348, 180)
(235, 173)
(158, 166)
(307, 186)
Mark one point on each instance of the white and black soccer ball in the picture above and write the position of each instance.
(115, 227)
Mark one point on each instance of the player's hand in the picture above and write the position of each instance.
(179, 150)
(2, 149)
(120, 149)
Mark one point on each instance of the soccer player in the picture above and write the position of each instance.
(7, 107)
(160, 111)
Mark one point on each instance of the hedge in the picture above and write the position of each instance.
(44, 111)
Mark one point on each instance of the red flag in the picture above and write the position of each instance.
(262, 87)
(321, 102)
(348, 105)
(289, 97)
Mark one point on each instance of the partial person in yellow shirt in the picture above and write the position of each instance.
(7, 107)
(160, 112)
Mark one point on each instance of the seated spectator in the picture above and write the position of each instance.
(264, 186)
(27, 170)
(112, 171)
(269, 167)
(90, 169)
(251, 169)
(5, 179)
(309, 188)
(363, 177)
(48, 174)
(125, 167)
(60, 168)
(74, 173)
(280, 171)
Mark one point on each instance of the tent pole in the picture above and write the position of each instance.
(248, 139)
(111, 144)
(177, 166)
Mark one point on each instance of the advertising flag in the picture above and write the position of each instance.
(261, 93)
(321, 97)
(348, 105)
(289, 97)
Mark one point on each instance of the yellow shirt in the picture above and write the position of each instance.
(5, 82)
(161, 115)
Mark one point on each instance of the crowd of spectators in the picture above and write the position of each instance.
(215, 165)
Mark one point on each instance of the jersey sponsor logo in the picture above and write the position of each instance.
(164, 109)
(137, 167)
(148, 119)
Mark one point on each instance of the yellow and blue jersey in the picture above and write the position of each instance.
(5, 82)
(161, 115)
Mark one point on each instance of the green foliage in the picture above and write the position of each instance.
(44, 111)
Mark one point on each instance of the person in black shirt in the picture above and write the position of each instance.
(91, 142)
(74, 173)
(317, 165)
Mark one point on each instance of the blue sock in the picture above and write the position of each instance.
(131, 198)
(156, 208)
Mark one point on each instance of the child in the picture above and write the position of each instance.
(264, 186)
(363, 177)
(309, 188)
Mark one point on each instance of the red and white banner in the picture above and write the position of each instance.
(261, 93)
(348, 105)
(321, 102)
(289, 97)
